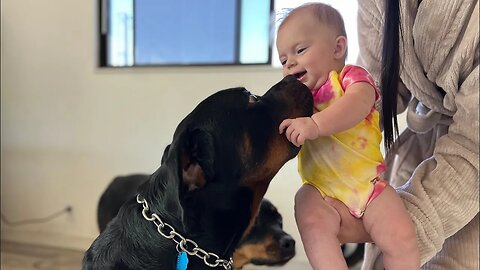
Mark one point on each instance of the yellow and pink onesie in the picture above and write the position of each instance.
(346, 165)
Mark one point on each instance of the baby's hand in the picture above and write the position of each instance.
(299, 129)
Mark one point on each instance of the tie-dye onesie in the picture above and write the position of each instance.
(346, 165)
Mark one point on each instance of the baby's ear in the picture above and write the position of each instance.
(340, 47)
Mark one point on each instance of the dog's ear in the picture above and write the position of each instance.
(197, 159)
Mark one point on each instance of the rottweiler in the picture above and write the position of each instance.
(266, 243)
(204, 198)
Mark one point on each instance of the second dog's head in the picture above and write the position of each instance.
(267, 243)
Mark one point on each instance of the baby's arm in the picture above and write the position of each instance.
(345, 113)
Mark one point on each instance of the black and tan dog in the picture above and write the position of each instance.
(265, 244)
(208, 190)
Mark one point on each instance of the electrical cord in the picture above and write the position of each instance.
(67, 209)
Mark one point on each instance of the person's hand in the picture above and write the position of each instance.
(299, 129)
(352, 229)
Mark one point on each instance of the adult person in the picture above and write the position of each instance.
(425, 56)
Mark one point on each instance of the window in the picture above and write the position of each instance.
(191, 32)
(184, 32)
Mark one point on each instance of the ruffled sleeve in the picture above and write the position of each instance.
(352, 74)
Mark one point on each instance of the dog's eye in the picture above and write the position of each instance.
(252, 98)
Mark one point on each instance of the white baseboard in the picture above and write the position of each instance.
(47, 239)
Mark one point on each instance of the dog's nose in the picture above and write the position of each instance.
(287, 244)
(290, 78)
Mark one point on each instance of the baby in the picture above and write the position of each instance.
(340, 155)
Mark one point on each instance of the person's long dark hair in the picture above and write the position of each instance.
(390, 75)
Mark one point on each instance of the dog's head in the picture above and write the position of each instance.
(267, 243)
(226, 152)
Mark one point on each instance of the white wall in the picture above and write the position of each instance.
(68, 127)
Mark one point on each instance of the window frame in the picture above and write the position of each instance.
(103, 27)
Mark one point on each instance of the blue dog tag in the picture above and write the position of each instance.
(182, 261)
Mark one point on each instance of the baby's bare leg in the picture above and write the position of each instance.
(318, 224)
(388, 223)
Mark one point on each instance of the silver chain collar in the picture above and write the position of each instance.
(183, 244)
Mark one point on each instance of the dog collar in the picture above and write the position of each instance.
(184, 245)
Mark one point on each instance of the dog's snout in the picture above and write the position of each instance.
(287, 244)
(290, 78)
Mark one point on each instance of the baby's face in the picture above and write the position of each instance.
(306, 49)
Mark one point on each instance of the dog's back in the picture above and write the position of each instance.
(118, 192)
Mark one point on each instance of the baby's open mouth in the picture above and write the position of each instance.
(299, 75)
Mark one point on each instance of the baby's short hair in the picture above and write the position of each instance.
(324, 13)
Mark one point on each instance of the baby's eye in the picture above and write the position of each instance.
(283, 62)
(301, 50)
